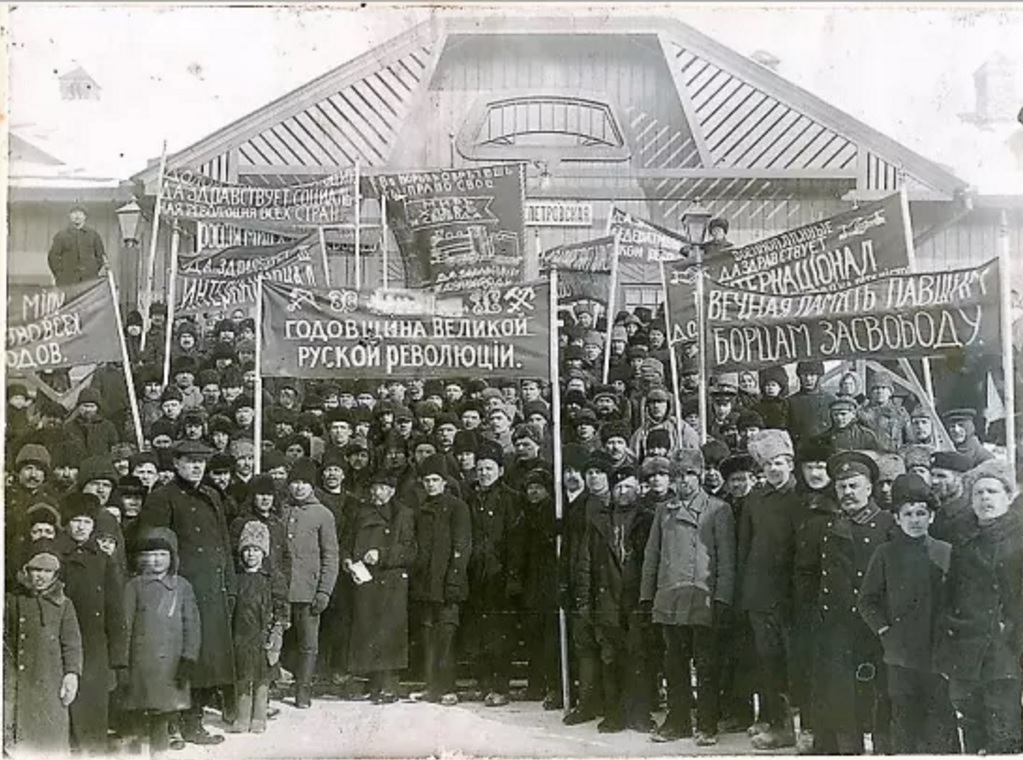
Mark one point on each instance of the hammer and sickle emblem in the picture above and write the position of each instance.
(519, 299)
(298, 298)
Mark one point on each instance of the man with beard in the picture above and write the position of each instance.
(495, 582)
(849, 684)
(608, 586)
(954, 518)
(194, 512)
(606, 406)
(808, 407)
(766, 548)
(615, 436)
(439, 582)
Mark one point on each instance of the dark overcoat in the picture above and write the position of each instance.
(495, 564)
(610, 567)
(95, 584)
(195, 515)
(540, 558)
(766, 548)
(444, 541)
(261, 603)
(76, 255)
(845, 644)
(42, 643)
(981, 632)
(379, 634)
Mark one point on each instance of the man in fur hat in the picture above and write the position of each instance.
(765, 556)
(809, 406)
(95, 434)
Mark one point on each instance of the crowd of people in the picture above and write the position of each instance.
(819, 557)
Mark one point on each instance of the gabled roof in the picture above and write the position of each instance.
(840, 135)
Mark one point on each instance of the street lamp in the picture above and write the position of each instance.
(128, 217)
(695, 221)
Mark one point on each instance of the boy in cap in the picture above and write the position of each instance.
(313, 549)
(495, 565)
(980, 639)
(381, 536)
(900, 600)
(609, 570)
(261, 615)
(42, 658)
(766, 549)
(773, 404)
(850, 694)
(690, 596)
(439, 583)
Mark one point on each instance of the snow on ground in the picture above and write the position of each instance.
(335, 728)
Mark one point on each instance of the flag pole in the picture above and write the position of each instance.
(1008, 358)
(147, 295)
(701, 338)
(907, 226)
(383, 238)
(323, 254)
(258, 400)
(611, 306)
(129, 375)
(358, 221)
(559, 509)
(171, 306)
(672, 359)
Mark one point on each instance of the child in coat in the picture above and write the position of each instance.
(899, 600)
(261, 615)
(163, 637)
(42, 657)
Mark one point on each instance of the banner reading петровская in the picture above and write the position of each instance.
(499, 332)
(894, 316)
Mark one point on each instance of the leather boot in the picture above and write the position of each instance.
(260, 700)
(303, 680)
(242, 713)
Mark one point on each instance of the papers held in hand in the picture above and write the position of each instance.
(360, 573)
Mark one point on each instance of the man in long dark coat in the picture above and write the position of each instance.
(381, 535)
(194, 512)
(77, 253)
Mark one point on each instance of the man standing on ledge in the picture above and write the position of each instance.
(77, 253)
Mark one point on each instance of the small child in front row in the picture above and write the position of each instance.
(900, 600)
(261, 615)
(164, 636)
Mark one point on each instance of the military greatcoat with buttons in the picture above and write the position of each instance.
(849, 657)
(195, 515)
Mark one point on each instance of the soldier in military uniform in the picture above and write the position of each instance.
(849, 690)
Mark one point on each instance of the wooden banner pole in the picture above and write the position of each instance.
(701, 338)
(358, 222)
(1008, 358)
(385, 263)
(129, 376)
(672, 359)
(257, 423)
(612, 304)
(907, 224)
(147, 294)
(323, 253)
(559, 508)
(172, 277)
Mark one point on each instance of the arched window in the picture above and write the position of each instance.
(528, 125)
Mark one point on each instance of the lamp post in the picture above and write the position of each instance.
(129, 216)
(695, 221)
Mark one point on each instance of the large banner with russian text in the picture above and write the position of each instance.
(190, 195)
(584, 269)
(227, 279)
(57, 327)
(892, 316)
(846, 249)
(458, 230)
(495, 332)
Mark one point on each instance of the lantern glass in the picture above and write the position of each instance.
(695, 221)
(128, 217)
